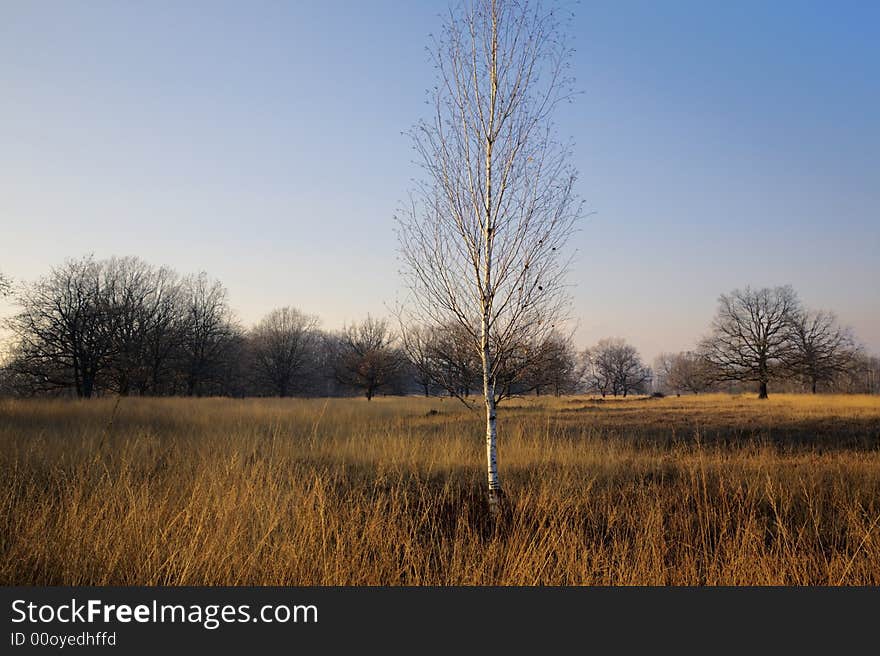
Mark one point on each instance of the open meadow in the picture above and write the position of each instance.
(713, 489)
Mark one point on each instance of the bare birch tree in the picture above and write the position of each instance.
(481, 240)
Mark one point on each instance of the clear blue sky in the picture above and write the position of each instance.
(719, 145)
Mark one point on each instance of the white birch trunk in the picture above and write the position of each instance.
(491, 430)
(488, 295)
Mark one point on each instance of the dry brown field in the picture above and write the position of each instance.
(704, 490)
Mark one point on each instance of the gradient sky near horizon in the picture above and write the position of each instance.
(719, 145)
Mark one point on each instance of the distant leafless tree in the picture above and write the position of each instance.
(231, 370)
(146, 312)
(457, 363)
(863, 373)
(615, 367)
(687, 371)
(207, 331)
(282, 345)
(128, 287)
(822, 349)
(632, 376)
(65, 329)
(368, 358)
(597, 369)
(420, 346)
(751, 338)
(553, 366)
(662, 365)
(164, 328)
(482, 237)
(322, 379)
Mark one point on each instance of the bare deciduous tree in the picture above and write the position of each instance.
(65, 328)
(420, 347)
(597, 369)
(821, 348)
(282, 345)
(662, 366)
(685, 372)
(146, 315)
(367, 357)
(863, 373)
(751, 338)
(457, 361)
(163, 329)
(553, 366)
(482, 237)
(615, 367)
(207, 330)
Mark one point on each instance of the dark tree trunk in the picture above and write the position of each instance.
(814, 386)
(77, 379)
(88, 387)
(762, 390)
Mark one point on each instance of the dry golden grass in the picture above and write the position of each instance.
(707, 490)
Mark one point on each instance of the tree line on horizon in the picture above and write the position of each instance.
(122, 326)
